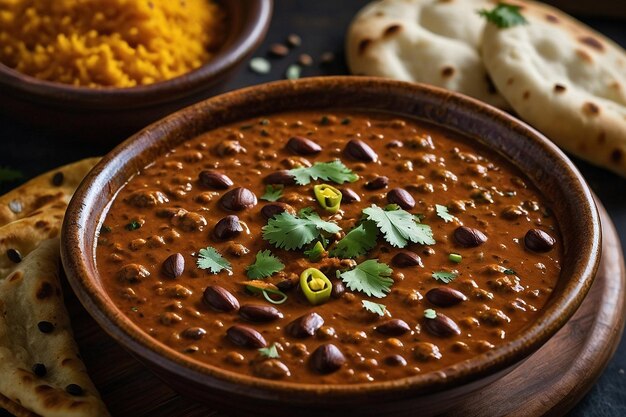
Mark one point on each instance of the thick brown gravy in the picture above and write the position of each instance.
(504, 278)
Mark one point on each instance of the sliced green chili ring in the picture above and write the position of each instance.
(315, 253)
(315, 286)
(266, 290)
(455, 257)
(328, 196)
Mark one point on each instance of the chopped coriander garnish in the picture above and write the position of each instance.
(264, 266)
(265, 133)
(315, 253)
(356, 242)
(400, 227)
(134, 225)
(376, 308)
(212, 260)
(105, 229)
(135, 309)
(455, 257)
(324, 120)
(504, 15)
(334, 171)
(272, 193)
(346, 121)
(264, 122)
(270, 351)
(286, 231)
(9, 174)
(370, 277)
(442, 211)
(445, 276)
(509, 271)
(429, 313)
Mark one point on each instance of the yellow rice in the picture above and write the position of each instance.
(108, 43)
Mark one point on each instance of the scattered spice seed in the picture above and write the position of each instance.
(294, 40)
(260, 65)
(293, 72)
(278, 50)
(327, 58)
(39, 369)
(45, 327)
(14, 256)
(305, 60)
(75, 390)
(57, 179)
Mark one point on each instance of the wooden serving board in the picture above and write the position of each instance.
(550, 382)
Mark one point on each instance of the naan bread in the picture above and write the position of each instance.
(44, 190)
(29, 295)
(565, 79)
(428, 41)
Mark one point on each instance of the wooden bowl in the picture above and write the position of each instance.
(111, 114)
(430, 393)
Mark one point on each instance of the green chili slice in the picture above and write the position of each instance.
(328, 196)
(315, 286)
(267, 289)
(455, 257)
(316, 252)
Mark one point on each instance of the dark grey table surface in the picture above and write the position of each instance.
(322, 25)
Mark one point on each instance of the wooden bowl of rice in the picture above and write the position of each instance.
(134, 68)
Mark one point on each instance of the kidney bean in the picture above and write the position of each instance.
(361, 151)
(401, 197)
(194, 333)
(238, 199)
(245, 336)
(271, 369)
(327, 359)
(445, 296)
(305, 326)
(538, 241)
(348, 195)
(260, 313)
(173, 266)
(442, 326)
(270, 210)
(395, 360)
(338, 289)
(220, 299)
(280, 177)
(393, 327)
(214, 180)
(424, 352)
(303, 146)
(377, 183)
(406, 258)
(468, 237)
(227, 228)
(133, 273)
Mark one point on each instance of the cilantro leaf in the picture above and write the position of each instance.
(270, 351)
(314, 218)
(445, 276)
(272, 193)
(356, 242)
(442, 211)
(286, 231)
(264, 266)
(429, 313)
(504, 15)
(376, 308)
(9, 174)
(134, 225)
(334, 171)
(370, 277)
(211, 259)
(399, 227)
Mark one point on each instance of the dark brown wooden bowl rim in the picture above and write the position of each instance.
(583, 227)
(256, 17)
